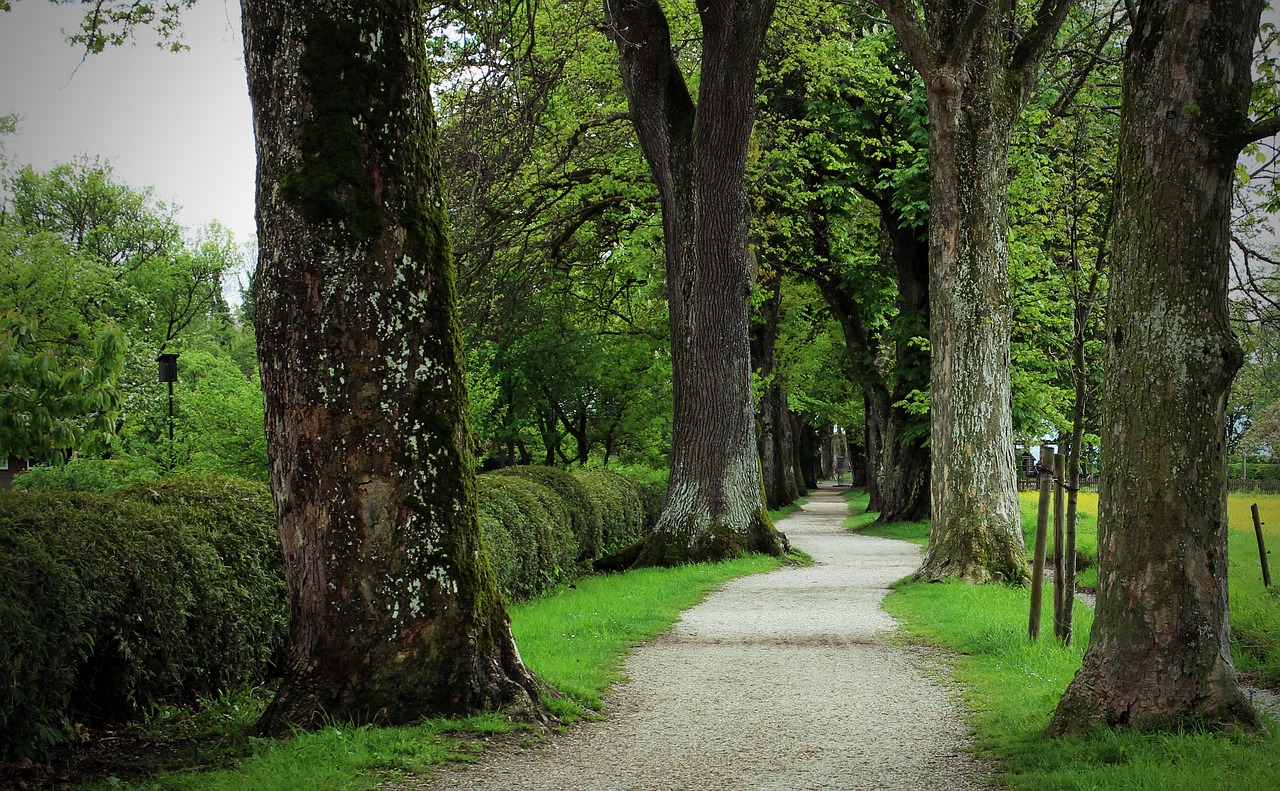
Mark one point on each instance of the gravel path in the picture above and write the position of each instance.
(779, 681)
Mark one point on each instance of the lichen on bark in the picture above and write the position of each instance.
(395, 614)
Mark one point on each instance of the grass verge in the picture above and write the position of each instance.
(1255, 610)
(575, 640)
(1012, 685)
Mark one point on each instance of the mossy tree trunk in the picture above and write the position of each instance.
(1159, 653)
(394, 612)
(697, 156)
(976, 76)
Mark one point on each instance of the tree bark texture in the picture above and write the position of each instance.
(697, 156)
(394, 611)
(976, 79)
(1159, 653)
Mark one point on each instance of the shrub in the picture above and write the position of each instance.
(1257, 471)
(622, 508)
(109, 603)
(584, 510)
(528, 533)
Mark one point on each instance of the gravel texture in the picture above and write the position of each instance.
(786, 680)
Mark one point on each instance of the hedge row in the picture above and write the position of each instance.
(543, 525)
(109, 602)
(174, 589)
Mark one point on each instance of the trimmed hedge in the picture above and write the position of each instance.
(170, 590)
(543, 525)
(584, 509)
(109, 603)
(1258, 471)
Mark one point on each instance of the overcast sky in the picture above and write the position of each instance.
(179, 122)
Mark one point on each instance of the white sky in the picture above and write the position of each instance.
(179, 122)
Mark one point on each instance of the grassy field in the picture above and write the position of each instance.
(574, 640)
(1012, 685)
(1255, 610)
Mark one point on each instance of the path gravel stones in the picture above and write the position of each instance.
(786, 680)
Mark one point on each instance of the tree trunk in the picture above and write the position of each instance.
(776, 456)
(977, 72)
(1159, 654)
(394, 611)
(698, 159)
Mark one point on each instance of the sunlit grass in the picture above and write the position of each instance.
(1012, 685)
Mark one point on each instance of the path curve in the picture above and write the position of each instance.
(783, 680)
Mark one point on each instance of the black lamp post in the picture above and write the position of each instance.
(169, 373)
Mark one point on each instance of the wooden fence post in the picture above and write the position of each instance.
(1042, 528)
(1262, 548)
(1060, 592)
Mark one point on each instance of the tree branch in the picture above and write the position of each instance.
(1033, 46)
(911, 32)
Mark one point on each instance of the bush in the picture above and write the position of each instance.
(528, 533)
(584, 510)
(87, 475)
(1258, 471)
(109, 603)
(622, 508)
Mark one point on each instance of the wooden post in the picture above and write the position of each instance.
(1060, 592)
(1042, 528)
(1262, 547)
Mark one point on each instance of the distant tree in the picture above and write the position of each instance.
(50, 407)
(1159, 654)
(697, 154)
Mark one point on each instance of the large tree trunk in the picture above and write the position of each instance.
(1159, 653)
(698, 160)
(976, 73)
(976, 532)
(394, 612)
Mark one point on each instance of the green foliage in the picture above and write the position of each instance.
(109, 603)
(584, 511)
(543, 526)
(88, 475)
(622, 508)
(528, 533)
(49, 407)
(1258, 471)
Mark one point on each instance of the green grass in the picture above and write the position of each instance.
(1012, 685)
(787, 510)
(862, 521)
(574, 640)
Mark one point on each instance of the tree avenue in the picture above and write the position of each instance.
(394, 612)
(977, 77)
(697, 156)
(1159, 652)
